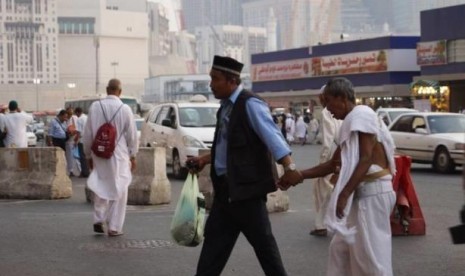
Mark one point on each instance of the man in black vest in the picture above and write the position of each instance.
(246, 139)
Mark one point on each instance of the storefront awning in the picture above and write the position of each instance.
(427, 83)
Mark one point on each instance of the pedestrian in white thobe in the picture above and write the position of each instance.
(110, 178)
(301, 130)
(363, 198)
(290, 128)
(72, 167)
(15, 124)
(362, 241)
(322, 187)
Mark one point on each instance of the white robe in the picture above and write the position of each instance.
(300, 128)
(15, 124)
(322, 187)
(110, 178)
(362, 241)
(290, 129)
(71, 163)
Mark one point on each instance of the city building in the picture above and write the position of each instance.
(28, 50)
(381, 70)
(441, 57)
(235, 41)
(201, 13)
(100, 40)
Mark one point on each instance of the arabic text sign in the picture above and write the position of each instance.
(431, 53)
(283, 70)
(363, 62)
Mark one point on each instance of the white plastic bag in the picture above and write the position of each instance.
(187, 224)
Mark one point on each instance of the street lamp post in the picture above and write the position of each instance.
(37, 82)
(114, 64)
(71, 85)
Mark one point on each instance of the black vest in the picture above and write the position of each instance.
(249, 163)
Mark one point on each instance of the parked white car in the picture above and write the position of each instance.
(389, 114)
(31, 137)
(430, 137)
(182, 128)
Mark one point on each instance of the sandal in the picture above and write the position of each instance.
(112, 233)
(319, 232)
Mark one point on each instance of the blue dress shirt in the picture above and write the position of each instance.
(261, 122)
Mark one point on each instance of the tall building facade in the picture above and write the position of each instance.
(235, 41)
(100, 40)
(293, 20)
(28, 42)
(159, 37)
(200, 13)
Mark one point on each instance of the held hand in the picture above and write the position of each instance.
(290, 178)
(195, 164)
(341, 204)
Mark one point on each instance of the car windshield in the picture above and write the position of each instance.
(198, 116)
(395, 114)
(447, 124)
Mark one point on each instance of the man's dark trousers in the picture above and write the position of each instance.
(225, 222)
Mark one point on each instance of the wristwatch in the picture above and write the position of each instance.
(290, 167)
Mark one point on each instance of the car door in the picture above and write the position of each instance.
(164, 132)
(148, 138)
(401, 132)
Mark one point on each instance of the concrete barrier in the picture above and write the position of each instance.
(150, 185)
(276, 202)
(34, 173)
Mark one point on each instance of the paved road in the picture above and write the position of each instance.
(55, 237)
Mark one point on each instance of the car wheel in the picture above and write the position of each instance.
(442, 162)
(179, 172)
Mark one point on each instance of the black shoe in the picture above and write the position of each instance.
(98, 228)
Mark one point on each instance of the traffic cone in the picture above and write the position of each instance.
(407, 217)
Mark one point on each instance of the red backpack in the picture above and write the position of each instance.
(104, 142)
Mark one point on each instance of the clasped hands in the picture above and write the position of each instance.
(290, 178)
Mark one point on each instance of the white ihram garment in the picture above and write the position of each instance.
(300, 128)
(362, 241)
(15, 124)
(110, 178)
(322, 187)
(71, 162)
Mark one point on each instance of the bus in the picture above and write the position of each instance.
(85, 103)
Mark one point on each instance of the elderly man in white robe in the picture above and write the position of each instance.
(323, 186)
(110, 178)
(15, 124)
(363, 198)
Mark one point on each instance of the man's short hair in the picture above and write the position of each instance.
(340, 87)
(62, 112)
(78, 110)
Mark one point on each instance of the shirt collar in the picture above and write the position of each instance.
(234, 95)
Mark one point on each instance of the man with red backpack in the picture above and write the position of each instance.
(110, 145)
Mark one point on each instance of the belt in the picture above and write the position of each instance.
(373, 176)
(373, 188)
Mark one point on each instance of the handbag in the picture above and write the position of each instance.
(187, 225)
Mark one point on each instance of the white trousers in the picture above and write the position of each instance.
(111, 212)
(371, 254)
(71, 162)
(322, 189)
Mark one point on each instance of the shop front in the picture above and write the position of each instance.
(381, 70)
(441, 57)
